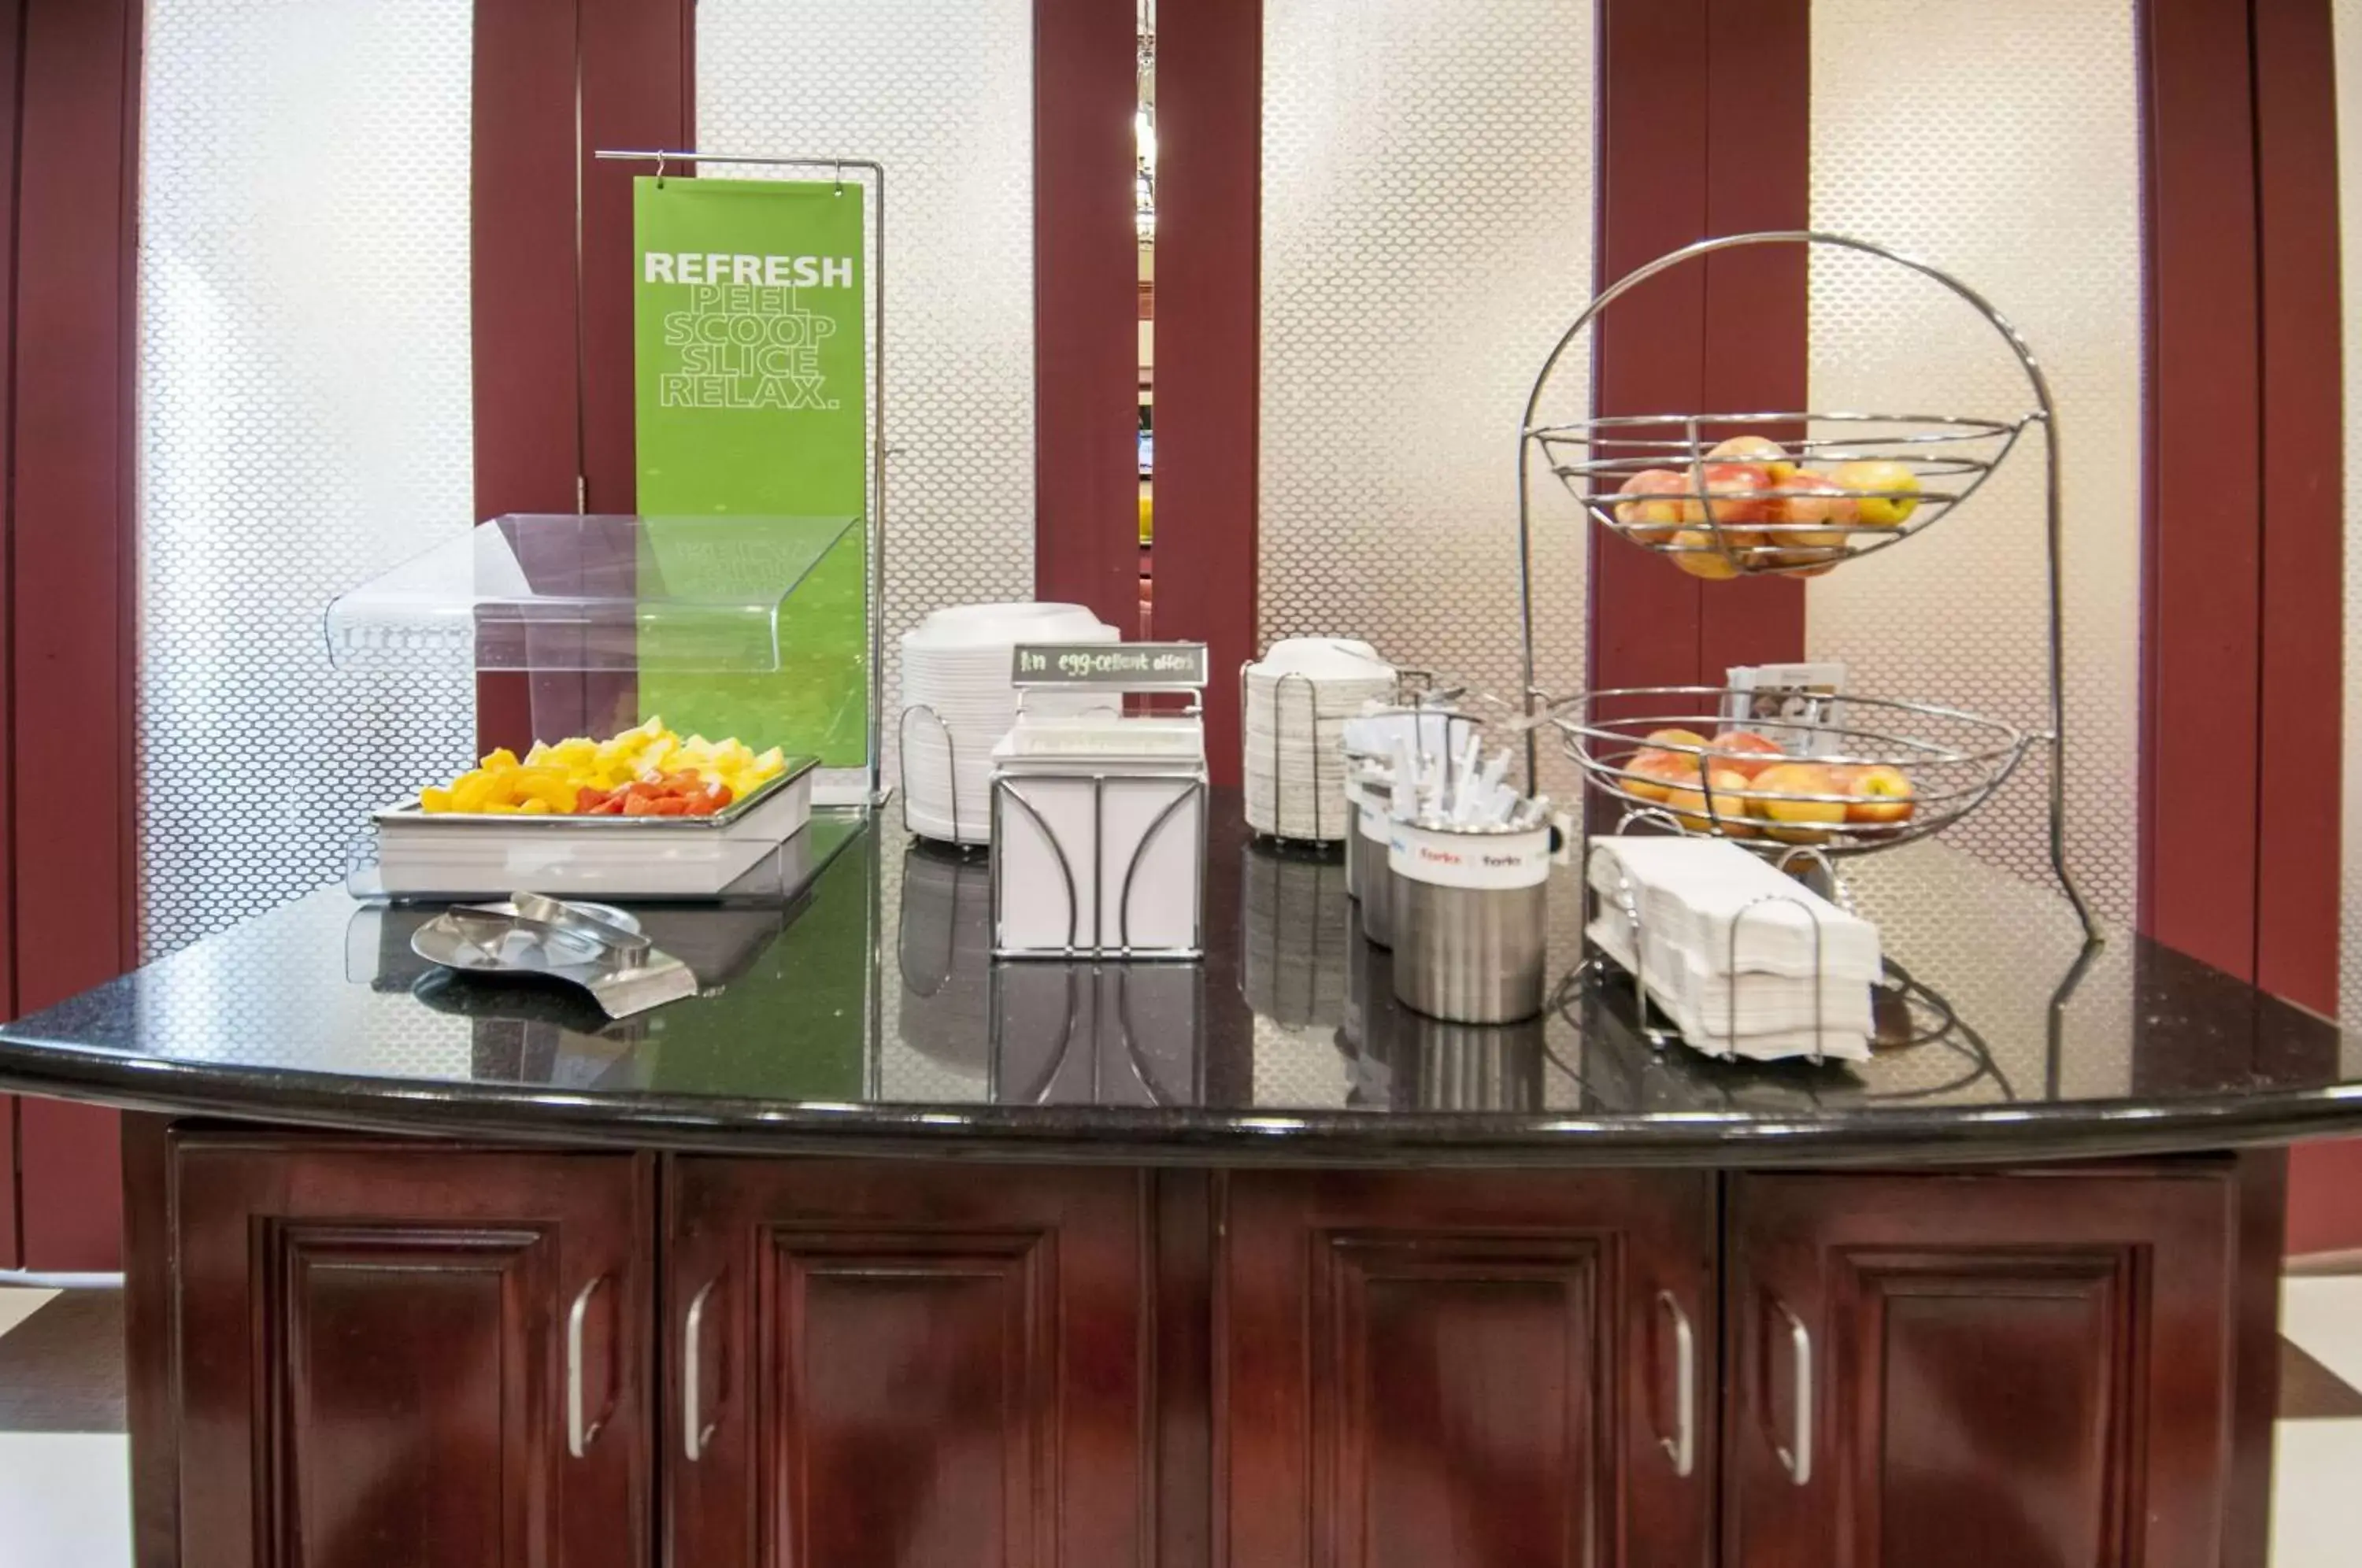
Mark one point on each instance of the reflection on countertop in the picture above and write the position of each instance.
(870, 1012)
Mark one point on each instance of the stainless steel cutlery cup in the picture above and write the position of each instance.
(1469, 922)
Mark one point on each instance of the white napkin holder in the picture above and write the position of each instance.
(1098, 819)
(1743, 959)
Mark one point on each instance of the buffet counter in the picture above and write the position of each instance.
(1229, 1261)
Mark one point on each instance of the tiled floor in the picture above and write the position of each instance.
(64, 1463)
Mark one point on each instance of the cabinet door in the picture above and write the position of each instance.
(410, 1355)
(1467, 1370)
(878, 1364)
(1978, 1369)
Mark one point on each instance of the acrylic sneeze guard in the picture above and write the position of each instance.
(585, 608)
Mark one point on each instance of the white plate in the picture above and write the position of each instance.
(935, 823)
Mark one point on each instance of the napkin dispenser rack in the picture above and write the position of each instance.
(1098, 821)
(1618, 935)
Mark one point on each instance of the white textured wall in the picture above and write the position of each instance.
(2001, 143)
(942, 95)
(305, 423)
(1427, 234)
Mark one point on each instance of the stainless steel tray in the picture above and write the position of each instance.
(406, 812)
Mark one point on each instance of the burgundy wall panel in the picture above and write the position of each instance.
(1208, 337)
(2244, 631)
(523, 290)
(2325, 1197)
(636, 93)
(1758, 177)
(2202, 567)
(72, 535)
(1704, 129)
(1086, 309)
(1650, 344)
(11, 24)
(2301, 692)
(556, 81)
(637, 64)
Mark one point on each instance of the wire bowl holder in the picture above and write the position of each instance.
(1772, 519)
(1852, 485)
(1953, 762)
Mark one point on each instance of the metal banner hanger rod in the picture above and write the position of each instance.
(660, 157)
(736, 157)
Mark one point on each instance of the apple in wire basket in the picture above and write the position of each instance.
(1651, 774)
(1885, 493)
(1780, 799)
(1656, 509)
(1744, 752)
(1728, 494)
(1768, 459)
(1723, 797)
(1881, 796)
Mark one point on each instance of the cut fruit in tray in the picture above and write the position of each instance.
(647, 771)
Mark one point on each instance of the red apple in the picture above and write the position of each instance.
(1697, 552)
(1780, 799)
(1814, 510)
(1651, 774)
(1880, 794)
(1744, 752)
(1729, 493)
(1652, 521)
(1722, 796)
(1767, 457)
(1673, 740)
(1885, 493)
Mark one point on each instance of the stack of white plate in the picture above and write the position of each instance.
(1299, 697)
(957, 702)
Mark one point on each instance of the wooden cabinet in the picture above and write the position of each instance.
(872, 1365)
(392, 1353)
(1473, 1370)
(1947, 1370)
(402, 1356)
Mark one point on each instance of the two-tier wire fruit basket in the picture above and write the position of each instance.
(1791, 494)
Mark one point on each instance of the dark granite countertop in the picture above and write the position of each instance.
(868, 1018)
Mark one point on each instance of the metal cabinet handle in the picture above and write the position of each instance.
(695, 1432)
(579, 1438)
(1682, 1448)
(1798, 1461)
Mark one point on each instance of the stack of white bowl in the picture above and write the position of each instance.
(956, 663)
(1299, 697)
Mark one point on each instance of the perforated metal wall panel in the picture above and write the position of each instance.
(943, 96)
(2010, 155)
(306, 422)
(1427, 234)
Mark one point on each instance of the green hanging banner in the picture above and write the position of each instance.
(752, 402)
